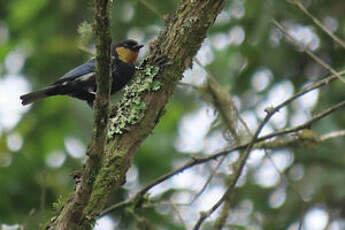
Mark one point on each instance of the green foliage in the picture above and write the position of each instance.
(51, 36)
(22, 12)
(57, 205)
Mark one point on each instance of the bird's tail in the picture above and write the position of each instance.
(39, 94)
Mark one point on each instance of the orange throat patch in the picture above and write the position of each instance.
(127, 55)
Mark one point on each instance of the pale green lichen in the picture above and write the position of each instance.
(132, 108)
(57, 205)
(86, 34)
(192, 19)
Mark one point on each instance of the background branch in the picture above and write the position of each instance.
(196, 161)
(336, 39)
(308, 52)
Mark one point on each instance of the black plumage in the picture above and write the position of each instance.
(80, 82)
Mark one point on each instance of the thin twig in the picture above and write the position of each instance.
(150, 7)
(225, 151)
(239, 168)
(208, 181)
(184, 84)
(244, 157)
(308, 52)
(291, 185)
(270, 113)
(230, 116)
(179, 216)
(308, 123)
(301, 219)
(331, 135)
(282, 174)
(299, 4)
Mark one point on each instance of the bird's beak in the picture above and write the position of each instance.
(138, 47)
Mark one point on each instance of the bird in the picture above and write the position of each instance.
(80, 82)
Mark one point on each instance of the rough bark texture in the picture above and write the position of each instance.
(71, 215)
(143, 104)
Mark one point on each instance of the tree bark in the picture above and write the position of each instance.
(144, 101)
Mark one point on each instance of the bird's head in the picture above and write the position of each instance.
(126, 51)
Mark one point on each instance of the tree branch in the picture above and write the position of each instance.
(72, 215)
(134, 118)
(226, 151)
(230, 115)
(335, 38)
(243, 158)
(308, 51)
(334, 134)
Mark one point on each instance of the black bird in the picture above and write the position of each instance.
(80, 82)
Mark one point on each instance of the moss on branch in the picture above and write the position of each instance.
(145, 99)
(143, 104)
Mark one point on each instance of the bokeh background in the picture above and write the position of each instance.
(42, 144)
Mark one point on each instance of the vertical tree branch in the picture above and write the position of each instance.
(103, 63)
(72, 214)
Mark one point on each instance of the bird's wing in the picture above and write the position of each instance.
(87, 69)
